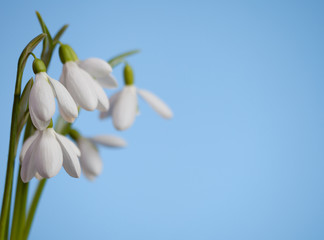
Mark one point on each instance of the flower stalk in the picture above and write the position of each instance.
(32, 109)
(5, 210)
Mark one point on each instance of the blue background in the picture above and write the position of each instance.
(243, 157)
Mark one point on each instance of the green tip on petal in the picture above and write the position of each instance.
(65, 53)
(74, 56)
(38, 66)
(50, 125)
(128, 75)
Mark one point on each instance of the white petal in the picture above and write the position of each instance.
(90, 159)
(89, 176)
(112, 102)
(75, 149)
(39, 177)
(39, 124)
(41, 98)
(103, 102)
(48, 154)
(109, 141)
(108, 81)
(125, 108)
(26, 145)
(28, 167)
(156, 103)
(96, 67)
(68, 108)
(78, 83)
(71, 162)
(62, 78)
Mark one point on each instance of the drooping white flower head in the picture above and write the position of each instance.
(44, 153)
(100, 70)
(123, 104)
(90, 160)
(84, 79)
(42, 98)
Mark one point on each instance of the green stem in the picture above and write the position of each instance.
(17, 209)
(22, 216)
(19, 215)
(5, 211)
(33, 208)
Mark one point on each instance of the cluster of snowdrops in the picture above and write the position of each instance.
(81, 86)
(47, 146)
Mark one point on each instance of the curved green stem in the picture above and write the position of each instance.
(19, 215)
(5, 211)
(33, 208)
(17, 209)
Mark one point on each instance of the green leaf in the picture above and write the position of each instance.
(23, 102)
(23, 59)
(22, 122)
(44, 27)
(61, 126)
(23, 106)
(121, 58)
(48, 41)
(48, 54)
(59, 34)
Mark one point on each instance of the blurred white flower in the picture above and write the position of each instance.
(42, 99)
(123, 106)
(100, 70)
(44, 153)
(90, 159)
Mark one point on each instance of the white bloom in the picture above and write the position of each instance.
(90, 159)
(123, 107)
(109, 141)
(42, 101)
(86, 92)
(44, 153)
(100, 70)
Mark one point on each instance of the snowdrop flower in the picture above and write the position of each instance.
(42, 98)
(90, 160)
(123, 107)
(99, 70)
(83, 79)
(44, 153)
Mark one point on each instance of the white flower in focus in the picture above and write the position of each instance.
(44, 153)
(42, 98)
(83, 79)
(123, 104)
(90, 159)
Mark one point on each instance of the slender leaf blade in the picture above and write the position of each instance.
(23, 59)
(121, 58)
(23, 102)
(59, 34)
(48, 41)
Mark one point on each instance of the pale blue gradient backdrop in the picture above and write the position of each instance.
(243, 157)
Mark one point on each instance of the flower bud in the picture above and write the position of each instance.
(74, 56)
(128, 75)
(38, 66)
(66, 55)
